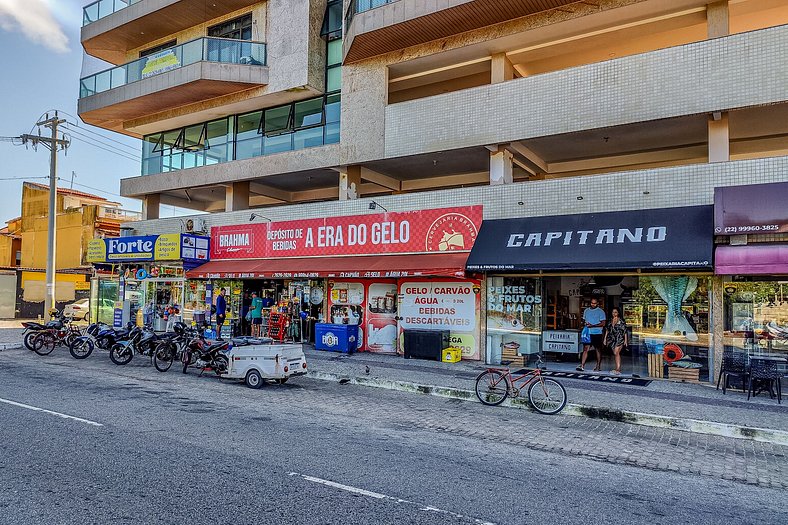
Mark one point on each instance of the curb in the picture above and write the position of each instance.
(10, 346)
(765, 435)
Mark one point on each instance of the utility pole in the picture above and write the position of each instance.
(53, 143)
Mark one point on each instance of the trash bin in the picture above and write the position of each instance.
(336, 337)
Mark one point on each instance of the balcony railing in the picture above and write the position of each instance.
(359, 6)
(224, 50)
(101, 8)
(109, 212)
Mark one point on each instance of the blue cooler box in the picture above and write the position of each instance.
(336, 337)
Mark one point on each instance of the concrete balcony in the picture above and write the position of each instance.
(186, 74)
(739, 71)
(374, 27)
(112, 27)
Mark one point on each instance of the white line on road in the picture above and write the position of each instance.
(44, 410)
(377, 495)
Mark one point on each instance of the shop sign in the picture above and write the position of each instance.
(657, 238)
(561, 341)
(165, 247)
(425, 231)
(755, 208)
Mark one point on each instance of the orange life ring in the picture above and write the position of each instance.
(672, 353)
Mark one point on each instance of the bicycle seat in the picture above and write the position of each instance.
(506, 363)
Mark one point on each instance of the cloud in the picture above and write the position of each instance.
(34, 18)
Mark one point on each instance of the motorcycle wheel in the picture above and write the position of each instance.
(81, 348)
(221, 364)
(28, 340)
(163, 356)
(120, 354)
(70, 338)
(44, 343)
(185, 359)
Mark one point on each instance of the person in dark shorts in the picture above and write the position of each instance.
(594, 318)
(256, 313)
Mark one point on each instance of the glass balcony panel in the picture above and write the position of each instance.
(278, 144)
(332, 133)
(246, 149)
(117, 77)
(218, 153)
(308, 138)
(104, 81)
(333, 108)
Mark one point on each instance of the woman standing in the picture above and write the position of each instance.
(616, 337)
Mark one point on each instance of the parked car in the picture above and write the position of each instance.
(78, 310)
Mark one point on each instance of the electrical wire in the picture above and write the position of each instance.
(134, 152)
(24, 178)
(95, 145)
(80, 130)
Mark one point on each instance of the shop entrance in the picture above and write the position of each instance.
(666, 317)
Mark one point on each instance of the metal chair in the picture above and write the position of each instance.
(733, 364)
(768, 372)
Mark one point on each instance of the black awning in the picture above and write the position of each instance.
(666, 238)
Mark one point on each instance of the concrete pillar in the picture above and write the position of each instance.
(349, 183)
(717, 342)
(718, 19)
(719, 138)
(236, 196)
(150, 206)
(500, 167)
(502, 69)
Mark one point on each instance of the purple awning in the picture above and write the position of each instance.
(752, 259)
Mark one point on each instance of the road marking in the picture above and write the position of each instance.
(378, 495)
(44, 410)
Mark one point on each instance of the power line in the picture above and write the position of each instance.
(116, 152)
(79, 130)
(22, 178)
(105, 144)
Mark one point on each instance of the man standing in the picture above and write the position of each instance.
(221, 313)
(594, 318)
(256, 313)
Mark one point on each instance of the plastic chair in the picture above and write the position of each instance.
(733, 364)
(768, 372)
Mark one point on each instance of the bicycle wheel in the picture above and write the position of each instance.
(492, 387)
(547, 396)
(163, 356)
(44, 343)
(81, 348)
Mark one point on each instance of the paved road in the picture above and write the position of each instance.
(173, 448)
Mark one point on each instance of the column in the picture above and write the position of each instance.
(717, 328)
(501, 69)
(349, 183)
(717, 19)
(150, 206)
(500, 167)
(236, 196)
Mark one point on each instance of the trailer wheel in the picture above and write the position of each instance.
(253, 379)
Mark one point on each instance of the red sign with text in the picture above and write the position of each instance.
(425, 231)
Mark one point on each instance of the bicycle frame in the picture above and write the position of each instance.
(511, 380)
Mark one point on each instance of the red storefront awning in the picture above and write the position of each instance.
(451, 264)
(751, 259)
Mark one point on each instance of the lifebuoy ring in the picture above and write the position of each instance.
(673, 352)
(141, 274)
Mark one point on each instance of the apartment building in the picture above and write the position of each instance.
(588, 135)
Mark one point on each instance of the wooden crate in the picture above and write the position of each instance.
(513, 356)
(656, 366)
(684, 374)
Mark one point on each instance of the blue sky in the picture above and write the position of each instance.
(41, 63)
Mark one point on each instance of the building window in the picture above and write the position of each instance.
(156, 49)
(237, 29)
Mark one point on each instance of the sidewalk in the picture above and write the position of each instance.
(684, 406)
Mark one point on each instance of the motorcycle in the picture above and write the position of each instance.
(83, 346)
(58, 332)
(168, 350)
(141, 340)
(33, 328)
(108, 336)
(200, 353)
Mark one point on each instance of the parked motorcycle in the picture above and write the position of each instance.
(203, 355)
(141, 340)
(83, 346)
(33, 328)
(56, 333)
(108, 336)
(168, 350)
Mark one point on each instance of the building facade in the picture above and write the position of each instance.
(306, 110)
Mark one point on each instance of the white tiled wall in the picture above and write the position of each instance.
(666, 187)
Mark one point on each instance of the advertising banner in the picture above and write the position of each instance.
(669, 238)
(443, 305)
(160, 62)
(165, 247)
(425, 231)
(756, 208)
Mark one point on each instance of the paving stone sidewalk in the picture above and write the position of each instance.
(700, 402)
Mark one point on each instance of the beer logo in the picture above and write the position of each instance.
(451, 232)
